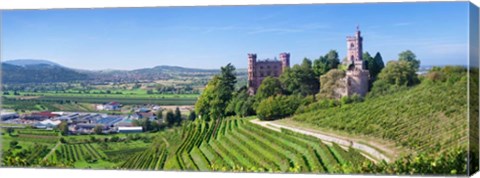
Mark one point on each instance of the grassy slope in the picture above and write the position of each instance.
(428, 117)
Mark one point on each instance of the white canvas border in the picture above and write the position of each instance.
(74, 173)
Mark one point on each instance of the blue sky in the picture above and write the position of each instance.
(210, 37)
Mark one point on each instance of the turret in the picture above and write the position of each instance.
(285, 59)
(355, 49)
(252, 60)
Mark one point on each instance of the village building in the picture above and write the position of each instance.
(47, 124)
(111, 106)
(260, 69)
(40, 115)
(130, 129)
(6, 115)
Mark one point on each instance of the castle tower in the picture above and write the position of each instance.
(355, 49)
(357, 75)
(285, 58)
(252, 60)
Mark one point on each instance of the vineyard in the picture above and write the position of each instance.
(238, 145)
(37, 136)
(78, 152)
(428, 118)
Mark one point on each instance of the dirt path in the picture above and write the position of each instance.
(52, 151)
(373, 152)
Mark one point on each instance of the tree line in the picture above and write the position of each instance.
(301, 85)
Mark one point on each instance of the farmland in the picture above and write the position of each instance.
(166, 99)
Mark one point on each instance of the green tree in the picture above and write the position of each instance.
(377, 65)
(178, 116)
(13, 144)
(10, 131)
(217, 95)
(192, 116)
(399, 73)
(270, 86)
(98, 129)
(332, 59)
(63, 127)
(306, 63)
(159, 114)
(299, 80)
(146, 124)
(410, 57)
(323, 64)
(202, 106)
(114, 139)
(241, 103)
(170, 118)
(155, 125)
(374, 65)
(228, 78)
(279, 106)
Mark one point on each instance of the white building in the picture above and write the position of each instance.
(129, 129)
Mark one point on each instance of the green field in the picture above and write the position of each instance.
(125, 94)
(160, 100)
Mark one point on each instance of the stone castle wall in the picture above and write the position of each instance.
(259, 70)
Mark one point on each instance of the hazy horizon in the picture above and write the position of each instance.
(211, 37)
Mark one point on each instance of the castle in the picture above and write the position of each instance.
(357, 74)
(258, 70)
(355, 81)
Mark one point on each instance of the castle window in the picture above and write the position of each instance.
(352, 45)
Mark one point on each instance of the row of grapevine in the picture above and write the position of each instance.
(151, 159)
(37, 138)
(238, 145)
(37, 132)
(79, 152)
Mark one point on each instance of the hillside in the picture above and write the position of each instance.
(430, 117)
(158, 73)
(238, 145)
(39, 73)
(26, 62)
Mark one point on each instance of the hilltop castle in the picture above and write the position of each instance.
(258, 70)
(355, 81)
(357, 74)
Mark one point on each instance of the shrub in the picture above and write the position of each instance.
(279, 106)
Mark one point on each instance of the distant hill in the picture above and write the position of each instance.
(157, 73)
(26, 62)
(39, 73)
